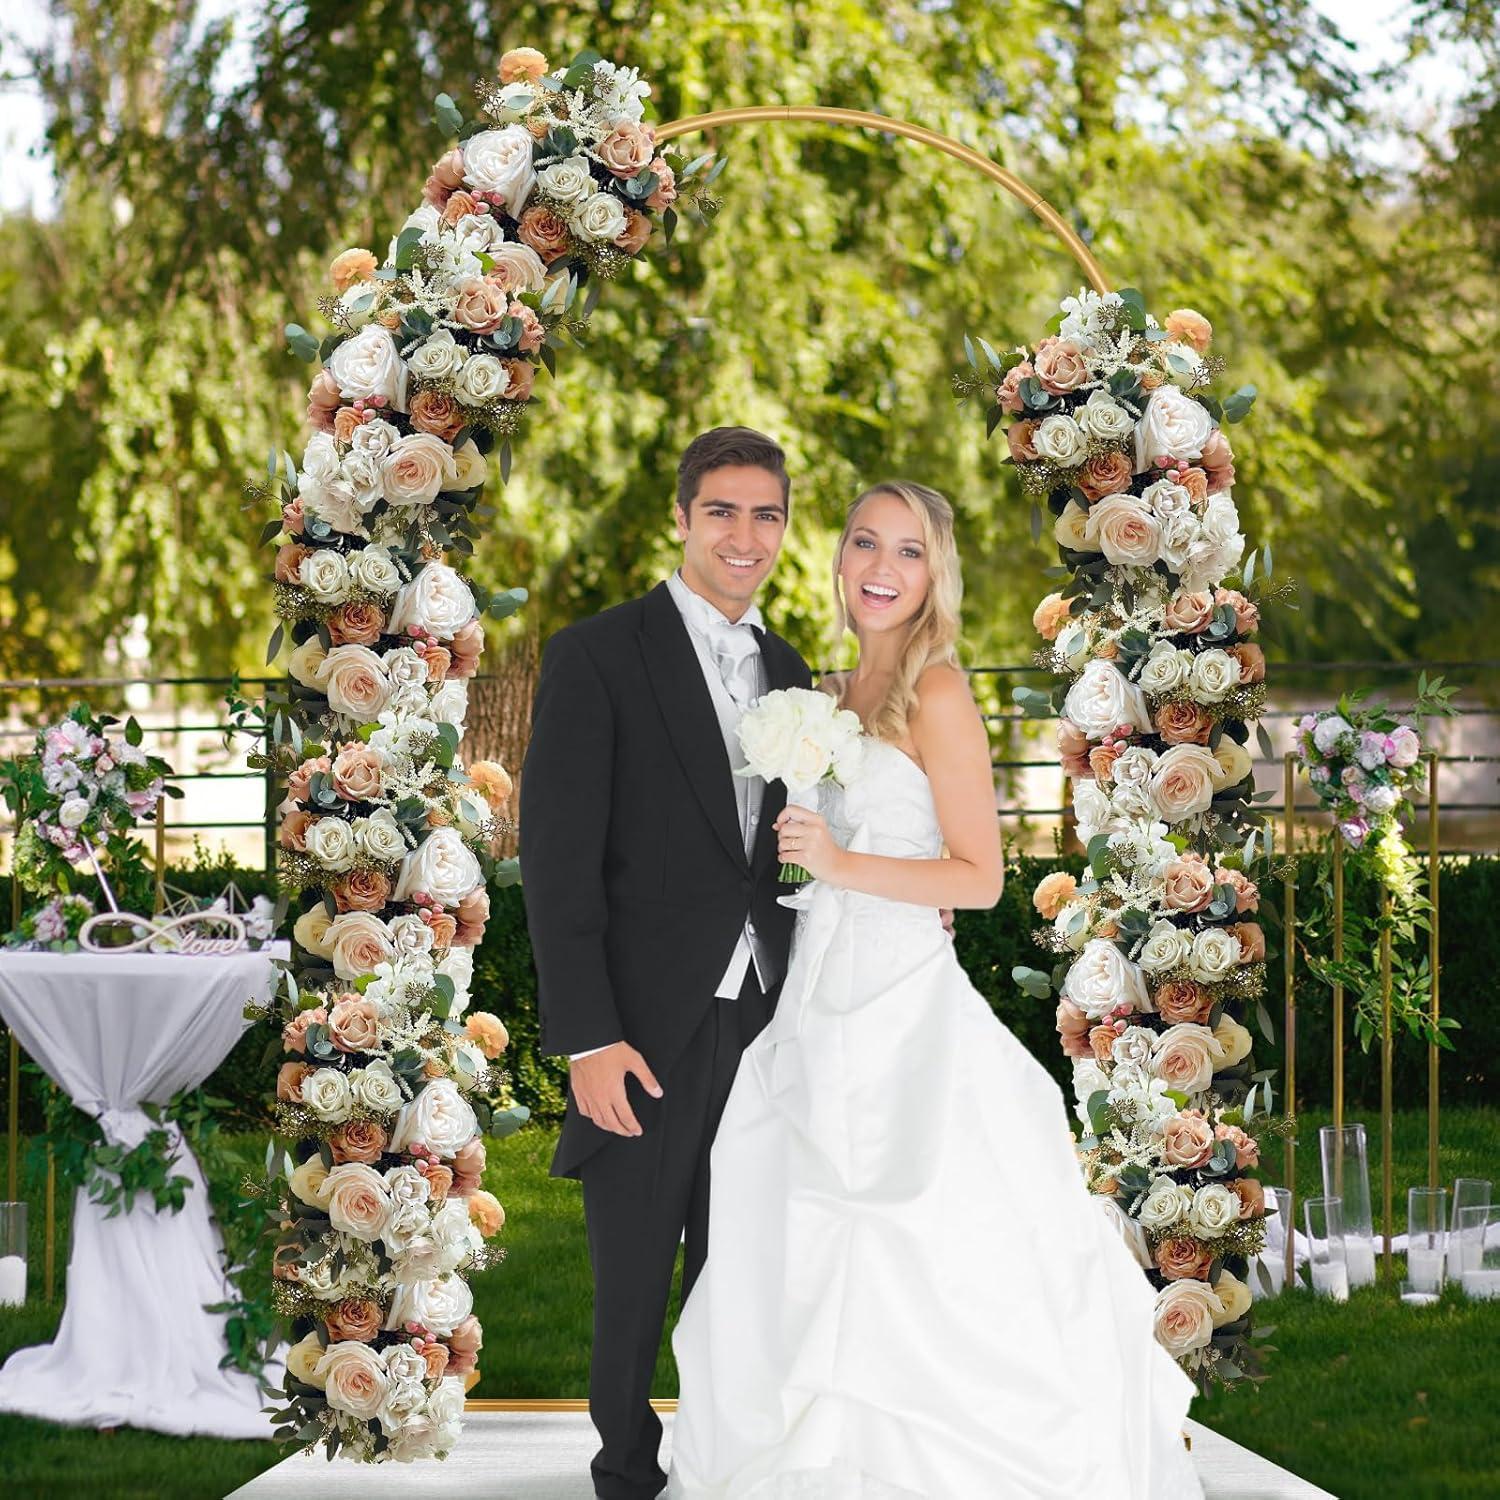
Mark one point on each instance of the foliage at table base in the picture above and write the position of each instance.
(1112, 428)
(387, 1080)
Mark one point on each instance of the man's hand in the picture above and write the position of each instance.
(599, 1087)
(946, 914)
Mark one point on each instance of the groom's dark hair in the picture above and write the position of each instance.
(720, 447)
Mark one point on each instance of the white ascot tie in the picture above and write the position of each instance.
(732, 644)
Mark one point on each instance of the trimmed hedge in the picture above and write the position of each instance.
(989, 944)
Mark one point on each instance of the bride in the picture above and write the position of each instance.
(909, 1291)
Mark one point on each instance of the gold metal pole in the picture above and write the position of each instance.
(1338, 984)
(160, 898)
(1289, 1024)
(1386, 1165)
(867, 120)
(50, 1246)
(1432, 966)
(13, 1102)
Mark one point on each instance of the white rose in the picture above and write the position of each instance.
(362, 474)
(305, 665)
(369, 365)
(471, 469)
(1234, 763)
(353, 1377)
(406, 1223)
(1132, 1048)
(439, 1118)
(1328, 732)
(380, 836)
(458, 965)
(406, 667)
(410, 933)
(354, 938)
(567, 183)
(439, 357)
(1234, 1039)
(443, 866)
(1183, 782)
(479, 233)
(769, 732)
(450, 704)
(374, 437)
(331, 842)
(1132, 802)
(1088, 1078)
(1124, 530)
(1093, 809)
(1167, 947)
(1070, 530)
(1166, 1203)
(326, 1093)
(1104, 697)
(1101, 416)
(404, 1364)
(1181, 540)
(374, 569)
(1172, 426)
(1184, 1319)
(1060, 440)
(499, 161)
(310, 931)
(320, 459)
(1381, 799)
(333, 503)
(417, 469)
(325, 575)
(1221, 521)
(600, 217)
(1134, 766)
(1166, 669)
(437, 599)
(1214, 1212)
(1215, 675)
(407, 1185)
(1215, 954)
(376, 1087)
(1167, 498)
(1185, 1055)
(1101, 979)
(485, 378)
(407, 698)
(1207, 564)
(519, 265)
(72, 813)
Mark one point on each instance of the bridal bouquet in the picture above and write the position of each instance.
(1113, 428)
(800, 737)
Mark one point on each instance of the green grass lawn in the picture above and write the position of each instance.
(1371, 1400)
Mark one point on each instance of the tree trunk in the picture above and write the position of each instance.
(498, 724)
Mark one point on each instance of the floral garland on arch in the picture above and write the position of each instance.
(1112, 427)
(386, 1081)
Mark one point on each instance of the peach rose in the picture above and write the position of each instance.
(1183, 1259)
(1252, 661)
(358, 1140)
(323, 399)
(449, 170)
(533, 334)
(357, 623)
(486, 1212)
(1106, 474)
(1187, 1139)
(439, 414)
(289, 1079)
(354, 1025)
(492, 781)
(352, 266)
(1252, 1196)
(460, 206)
(292, 516)
(1246, 1147)
(1189, 883)
(545, 231)
(467, 646)
(627, 149)
(1191, 327)
(1060, 365)
(1053, 892)
(289, 561)
(1183, 1000)
(299, 780)
(522, 62)
(1102, 1042)
(1189, 613)
(355, 681)
(1246, 614)
(1073, 1028)
(356, 772)
(294, 1033)
(1252, 940)
(361, 890)
(346, 422)
(355, 1318)
(489, 1031)
(1021, 437)
(664, 194)
(1071, 740)
(359, 1202)
(1217, 461)
(1102, 760)
(444, 929)
(1050, 616)
(472, 912)
(1185, 1057)
(522, 375)
(468, 1166)
(464, 1344)
(438, 659)
(1195, 482)
(435, 1354)
(1008, 392)
(1246, 892)
(439, 1177)
(632, 238)
(1183, 724)
(480, 305)
(293, 831)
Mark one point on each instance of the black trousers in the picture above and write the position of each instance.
(641, 1196)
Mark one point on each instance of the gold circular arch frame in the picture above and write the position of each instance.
(864, 119)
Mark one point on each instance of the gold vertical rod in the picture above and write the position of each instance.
(1289, 1024)
(13, 1101)
(1432, 969)
(1338, 984)
(159, 900)
(51, 1229)
(1387, 1174)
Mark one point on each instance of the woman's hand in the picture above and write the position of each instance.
(804, 839)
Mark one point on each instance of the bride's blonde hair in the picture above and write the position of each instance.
(933, 632)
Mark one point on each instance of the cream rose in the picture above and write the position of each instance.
(1172, 426)
(438, 1305)
(380, 836)
(1103, 698)
(499, 161)
(307, 1182)
(326, 1093)
(1101, 979)
(417, 469)
(469, 467)
(369, 366)
(1182, 784)
(374, 569)
(439, 357)
(439, 1118)
(1070, 530)
(310, 931)
(325, 575)
(1184, 1318)
(302, 1361)
(1216, 954)
(376, 1087)
(1124, 530)
(484, 379)
(1214, 1212)
(443, 866)
(436, 600)
(1101, 416)
(1234, 1039)
(600, 218)
(358, 1203)
(517, 268)
(1166, 669)
(1166, 1204)
(568, 183)
(359, 942)
(1061, 441)
(354, 1378)
(330, 842)
(1234, 761)
(1185, 1056)
(1215, 675)
(307, 663)
(1166, 947)
(355, 681)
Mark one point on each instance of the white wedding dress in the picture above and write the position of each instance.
(909, 1291)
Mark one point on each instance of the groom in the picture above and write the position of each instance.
(649, 874)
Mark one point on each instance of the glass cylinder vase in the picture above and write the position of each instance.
(1468, 1192)
(1346, 1176)
(12, 1253)
(1327, 1260)
(1478, 1233)
(1426, 1237)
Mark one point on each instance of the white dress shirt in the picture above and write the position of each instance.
(703, 621)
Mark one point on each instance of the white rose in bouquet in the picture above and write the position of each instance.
(1070, 530)
(600, 218)
(357, 1199)
(1093, 809)
(375, 570)
(439, 1305)
(330, 841)
(374, 438)
(1182, 784)
(405, 667)
(517, 266)
(1166, 669)
(1181, 534)
(1102, 698)
(1166, 1203)
(380, 836)
(450, 703)
(417, 469)
(437, 600)
(1061, 441)
(325, 575)
(1132, 1048)
(478, 234)
(1167, 947)
(1101, 416)
(361, 472)
(1214, 1212)
(1167, 498)
(355, 681)
(368, 366)
(410, 933)
(1134, 766)
(438, 358)
(567, 183)
(1328, 732)
(1234, 762)
(458, 964)
(1381, 799)
(358, 940)
(407, 1185)
(1124, 530)
(1172, 426)
(443, 866)
(1101, 979)
(440, 1118)
(1185, 1312)
(499, 161)
(470, 467)
(485, 378)
(1216, 954)
(326, 1093)
(353, 1378)
(1216, 674)
(376, 1087)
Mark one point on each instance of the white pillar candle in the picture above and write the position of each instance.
(1482, 1284)
(12, 1280)
(1424, 1268)
(1330, 1278)
(1359, 1256)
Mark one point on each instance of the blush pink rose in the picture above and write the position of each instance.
(1187, 1139)
(1060, 365)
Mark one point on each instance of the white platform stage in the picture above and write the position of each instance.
(541, 1454)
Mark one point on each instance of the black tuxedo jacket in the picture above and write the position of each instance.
(633, 867)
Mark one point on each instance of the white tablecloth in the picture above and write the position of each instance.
(135, 1345)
